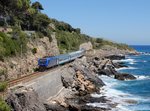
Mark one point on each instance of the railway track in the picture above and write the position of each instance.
(29, 77)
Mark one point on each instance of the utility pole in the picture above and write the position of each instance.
(21, 50)
(20, 61)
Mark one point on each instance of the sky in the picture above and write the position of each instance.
(124, 21)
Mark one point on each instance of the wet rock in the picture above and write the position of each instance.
(89, 99)
(55, 107)
(124, 76)
(109, 70)
(119, 64)
(75, 104)
(105, 72)
(25, 100)
(131, 101)
(115, 57)
(90, 108)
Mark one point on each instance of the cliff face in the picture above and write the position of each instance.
(27, 63)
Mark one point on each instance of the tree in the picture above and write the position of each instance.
(11, 8)
(37, 6)
(41, 21)
(78, 30)
(4, 4)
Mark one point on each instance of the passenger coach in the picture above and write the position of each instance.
(49, 62)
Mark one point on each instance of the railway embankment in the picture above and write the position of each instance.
(70, 87)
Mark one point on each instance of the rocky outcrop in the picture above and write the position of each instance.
(86, 46)
(124, 76)
(82, 80)
(25, 100)
(108, 67)
(115, 57)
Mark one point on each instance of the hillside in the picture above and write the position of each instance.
(70, 38)
(31, 35)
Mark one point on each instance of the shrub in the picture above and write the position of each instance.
(3, 72)
(3, 86)
(34, 50)
(47, 33)
(68, 42)
(39, 34)
(4, 106)
(11, 46)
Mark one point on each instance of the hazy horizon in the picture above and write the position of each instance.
(124, 21)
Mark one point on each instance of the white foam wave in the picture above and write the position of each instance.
(122, 108)
(144, 61)
(124, 68)
(102, 105)
(125, 60)
(142, 77)
(114, 95)
(145, 53)
(128, 60)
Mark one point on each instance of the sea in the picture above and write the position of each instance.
(132, 95)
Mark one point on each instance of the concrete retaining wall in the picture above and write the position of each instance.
(48, 85)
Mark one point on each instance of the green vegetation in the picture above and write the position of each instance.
(12, 45)
(23, 15)
(34, 50)
(62, 26)
(70, 41)
(70, 38)
(3, 86)
(4, 73)
(99, 43)
(4, 106)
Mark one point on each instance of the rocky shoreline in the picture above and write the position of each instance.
(80, 79)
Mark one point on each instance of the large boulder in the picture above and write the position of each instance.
(119, 64)
(54, 107)
(115, 57)
(89, 75)
(86, 46)
(25, 100)
(124, 76)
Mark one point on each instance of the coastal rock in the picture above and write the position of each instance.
(82, 81)
(25, 100)
(89, 99)
(124, 76)
(75, 104)
(115, 57)
(105, 72)
(89, 75)
(90, 108)
(54, 107)
(119, 64)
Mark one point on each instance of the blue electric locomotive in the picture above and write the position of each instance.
(60, 59)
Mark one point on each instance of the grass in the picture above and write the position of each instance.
(4, 106)
(3, 86)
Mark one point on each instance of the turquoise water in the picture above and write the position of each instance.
(131, 95)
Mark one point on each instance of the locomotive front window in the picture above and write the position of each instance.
(42, 61)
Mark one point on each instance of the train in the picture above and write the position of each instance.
(48, 62)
